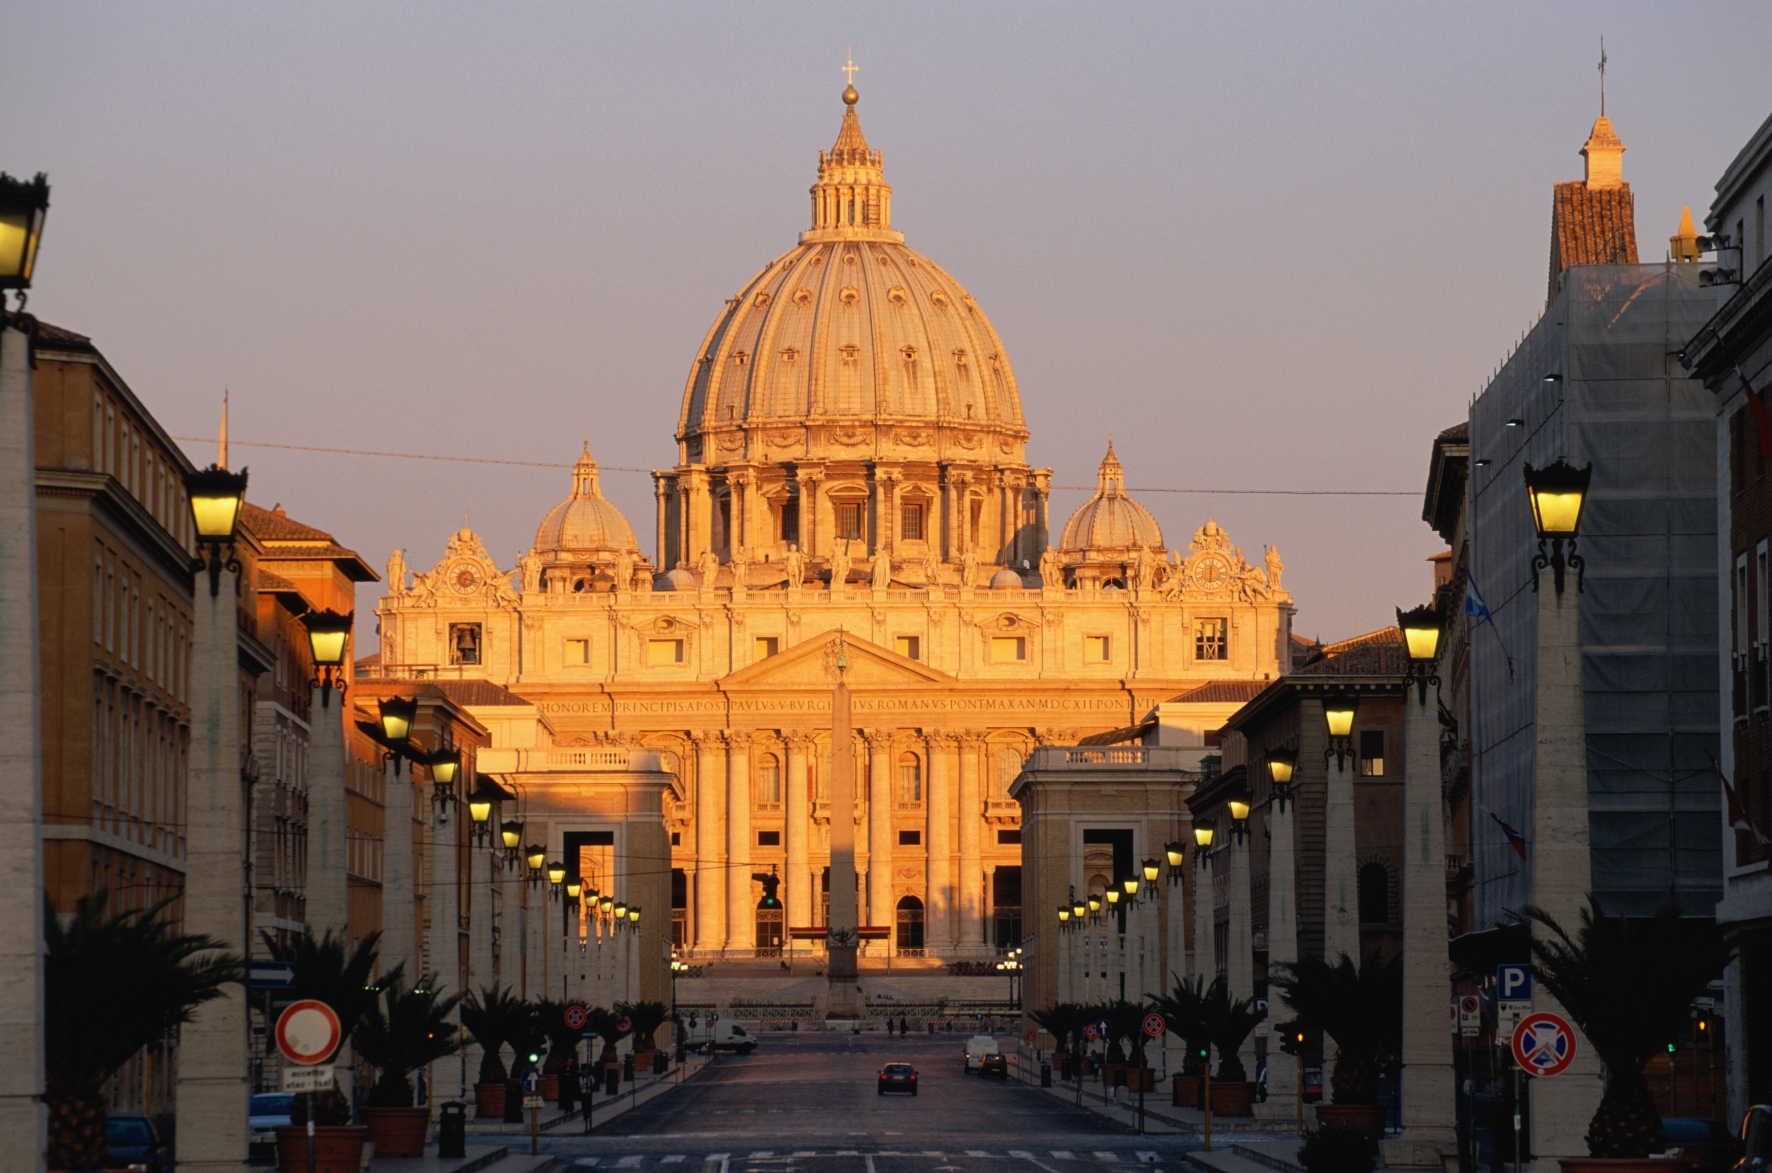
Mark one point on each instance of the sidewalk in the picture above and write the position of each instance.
(645, 1088)
(1160, 1116)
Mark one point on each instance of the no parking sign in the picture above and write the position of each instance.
(1090, 1033)
(1154, 1025)
(1544, 1045)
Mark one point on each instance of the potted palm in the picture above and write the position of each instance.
(1229, 1022)
(1064, 1022)
(1628, 983)
(487, 1016)
(327, 969)
(1183, 1012)
(406, 1029)
(562, 1040)
(644, 1019)
(603, 1023)
(1362, 1010)
(113, 983)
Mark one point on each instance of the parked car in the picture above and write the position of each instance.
(1708, 1144)
(725, 1035)
(977, 1047)
(993, 1064)
(267, 1111)
(898, 1077)
(1756, 1140)
(132, 1143)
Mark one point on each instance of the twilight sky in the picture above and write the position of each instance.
(1270, 247)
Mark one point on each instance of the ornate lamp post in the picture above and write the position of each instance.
(329, 642)
(480, 805)
(23, 208)
(445, 765)
(1204, 963)
(1338, 714)
(1341, 932)
(217, 496)
(1557, 493)
(510, 836)
(1282, 927)
(536, 856)
(556, 880)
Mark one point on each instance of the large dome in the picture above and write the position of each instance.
(585, 523)
(1110, 520)
(848, 332)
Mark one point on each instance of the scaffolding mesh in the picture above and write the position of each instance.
(1596, 380)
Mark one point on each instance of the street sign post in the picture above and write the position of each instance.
(1513, 997)
(1470, 1016)
(531, 1082)
(1090, 1033)
(270, 975)
(1544, 1045)
(308, 1034)
(318, 1078)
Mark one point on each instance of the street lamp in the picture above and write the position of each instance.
(398, 714)
(1064, 915)
(510, 834)
(445, 764)
(1422, 629)
(1202, 839)
(1238, 804)
(1558, 493)
(1280, 765)
(536, 856)
(1130, 883)
(1079, 909)
(23, 207)
(217, 496)
(573, 888)
(621, 911)
(1151, 871)
(556, 879)
(480, 816)
(634, 915)
(1094, 905)
(1338, 714)
(1176, 852)
(329, 638)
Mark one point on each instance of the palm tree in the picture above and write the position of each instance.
(1228, 1023)
(1184, 1013)
(1064, 1021)
(1629, 982)
(562, 1040)
(1362, 1010)
(329, 969)
(113, 983)
(602, 1023)
(487, 1016)
(405, 1030)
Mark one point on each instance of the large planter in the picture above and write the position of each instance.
(338, 1148)
(1186, 1091)
(1233, 1097)
(1624, 1164)
(489, 1101)
(1366, 1118)
(397, 1132)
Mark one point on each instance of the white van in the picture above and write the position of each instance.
(977, 1047)
(725, 1035)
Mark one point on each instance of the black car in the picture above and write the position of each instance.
(898, 1077)
(1756, 1140)
(131, 1143)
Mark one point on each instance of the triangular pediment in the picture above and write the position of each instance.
(812, 664)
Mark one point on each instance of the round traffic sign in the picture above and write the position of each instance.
(712, 1019)
(575, 1017)
(308, 1032)
(1030, 1034)
(1154, 1025)
(1544, 1044)
(1090, 1033)
(1468, 1005)
(1103, 1028)
(624, 1024)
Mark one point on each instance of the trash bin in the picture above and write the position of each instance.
(1045, 1075)
(452, 1130)
(661, 1063)
(612, 1080)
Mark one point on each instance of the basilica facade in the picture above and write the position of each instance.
(851, 473)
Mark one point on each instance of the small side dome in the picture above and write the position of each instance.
(1110, 520)
(585, 523)
(1005, 579)
(679, 579)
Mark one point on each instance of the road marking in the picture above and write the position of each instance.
(871, 1163)
(762, 1153)
(672, 1159)
(1107, 1156)
(1148, 1158)
(587, 1162)
(805, 1153)
(1029, 1158)
(629, 1162)
(1063, 1155)
(976, 1153)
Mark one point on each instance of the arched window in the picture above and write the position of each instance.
(910, 924)
(768, 778)
(1375, 894)
(910, 778)
(1008, 769)
(769, 925)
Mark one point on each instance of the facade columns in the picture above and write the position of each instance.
(23, 1118)
(710, 847)
(971, 819)
(802, 907)
(1239, 964)
(1174, 930)
(740, 916)
(1341, 913)
(938, 808)
(1282, 946)
(1205, 965)
(328, 889)
(445, 938)
(880, 904)
(212, 1073)
(399, 936)
(1562, 868)
(535, 940)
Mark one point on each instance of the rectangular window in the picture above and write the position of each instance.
(578, 651)
(1096, 649)
(676, 838)
(910, 838)
(1008, 649)
(910, 780)
(911, 523)
(1009, 835)
(664, 651)
(790, 520)
(768, 838)
(849, 521)
(1210, 640)
(910, 647)
(769, 781)
(1372, 753)
(767, 646)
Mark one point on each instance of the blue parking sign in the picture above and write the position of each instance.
(1513, 983)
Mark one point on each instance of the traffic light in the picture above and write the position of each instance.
(538, 1044)
(1291, 1037)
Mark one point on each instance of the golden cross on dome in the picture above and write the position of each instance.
(850, 68)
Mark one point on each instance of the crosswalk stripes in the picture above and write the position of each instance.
(629, 1162)
(1106, 1156)
(1063, 1155)
(1148, 1158)
(673, 1159)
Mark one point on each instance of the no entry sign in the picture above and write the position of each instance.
(1544, 1045)
(1154, 1025)
(308, 1032)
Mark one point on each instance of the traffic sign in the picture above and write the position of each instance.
(1513, 983)
(318, 1078)
(712, 1019)
(270, 975)
(534, 1102)
(1090, 1033)
(1470, 1016)
(1030, 1034)
(1544, 1044)
(1103, 1028)
(532, 1081)
(1154, 1025)
(308, 1032)
(575, 1018)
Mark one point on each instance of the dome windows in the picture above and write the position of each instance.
(896, 296)
(803, 297)
(849, 296)
(762, 299)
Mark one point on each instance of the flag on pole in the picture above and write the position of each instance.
(1515, 840)
(1739, 819)
(1478, 610)
(1762, 421)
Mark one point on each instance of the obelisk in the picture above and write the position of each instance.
(841, 937)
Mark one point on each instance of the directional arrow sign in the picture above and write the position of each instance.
(270, 975)
(532, 1081)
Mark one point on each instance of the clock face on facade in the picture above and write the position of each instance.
(1211, 573)
(465, 580)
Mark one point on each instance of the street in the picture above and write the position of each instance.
(806, 1103)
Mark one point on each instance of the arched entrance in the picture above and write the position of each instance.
(910, 926)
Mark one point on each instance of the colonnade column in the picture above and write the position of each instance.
(1175, 929)
(971, 819)
(1341, 915)
(328, 890)
(879, 827)
(710, 847)
(398, 932)
(938, 842)
(536, 941)
(1282, 947)
(1204, 964)
(740, 917)
(445, 938)
(1240, 943)
(797, 823)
